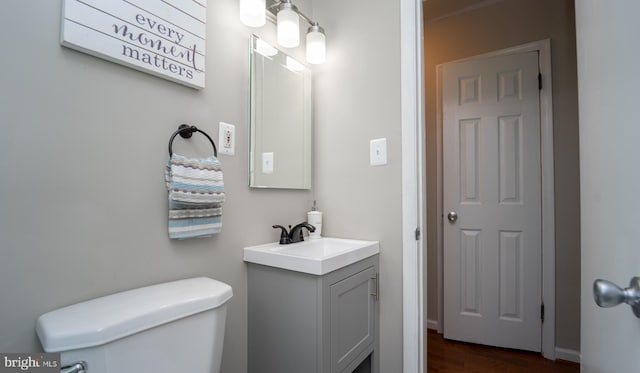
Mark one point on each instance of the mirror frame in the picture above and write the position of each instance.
(289, 147)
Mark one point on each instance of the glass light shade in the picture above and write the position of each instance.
(288, 28)
(316, 47)
(252, 12)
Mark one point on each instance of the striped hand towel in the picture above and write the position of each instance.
(196, 195)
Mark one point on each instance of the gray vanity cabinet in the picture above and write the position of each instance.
(304, 323)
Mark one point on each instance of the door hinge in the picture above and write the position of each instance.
(540, 81)
(418, 234)
(542, 312)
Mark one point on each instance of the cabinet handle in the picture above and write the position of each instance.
(376, 287)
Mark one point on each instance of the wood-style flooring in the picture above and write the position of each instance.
(445, 356)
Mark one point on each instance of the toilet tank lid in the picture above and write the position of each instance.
(102, 320)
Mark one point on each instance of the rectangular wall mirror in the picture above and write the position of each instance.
(280, 142)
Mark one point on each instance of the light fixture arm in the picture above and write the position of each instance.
(273, 9)
(286, 16)
(309, 21)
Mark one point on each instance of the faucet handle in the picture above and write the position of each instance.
(284, 236)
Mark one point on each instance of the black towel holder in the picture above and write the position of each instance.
(186, 131)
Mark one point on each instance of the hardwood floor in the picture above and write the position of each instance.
(445, 356)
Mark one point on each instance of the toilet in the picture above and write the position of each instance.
(171, 327)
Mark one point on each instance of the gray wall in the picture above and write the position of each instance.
(358, 99)
(82, 155)
(506, 24)
(83, 146)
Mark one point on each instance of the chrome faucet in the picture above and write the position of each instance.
(294, 234)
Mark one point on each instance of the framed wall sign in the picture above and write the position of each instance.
(165, 38)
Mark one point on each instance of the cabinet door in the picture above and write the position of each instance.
(352, 318)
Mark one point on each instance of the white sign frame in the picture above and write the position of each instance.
(165, 38)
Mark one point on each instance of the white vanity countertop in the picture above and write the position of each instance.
(314, 256)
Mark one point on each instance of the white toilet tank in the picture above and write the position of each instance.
(172, 327)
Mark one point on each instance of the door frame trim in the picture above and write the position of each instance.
(543, 47)
(414, 348)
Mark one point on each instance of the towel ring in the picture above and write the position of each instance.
(186, 131)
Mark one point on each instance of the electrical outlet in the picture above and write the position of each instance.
(227, 139)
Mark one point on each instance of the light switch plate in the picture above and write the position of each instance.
(267, 163)
(227, 139)
(378, 152)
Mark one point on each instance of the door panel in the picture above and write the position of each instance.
(608, 79)
(511, 297)
(470, 272)
(493, 252)
(509, 153)
(469, 185)
(352, 318)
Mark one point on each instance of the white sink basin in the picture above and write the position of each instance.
(315, 256)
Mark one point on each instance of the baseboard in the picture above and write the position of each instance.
(568, 355)
(432, 324)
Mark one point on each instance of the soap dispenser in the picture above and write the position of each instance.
(314, 217)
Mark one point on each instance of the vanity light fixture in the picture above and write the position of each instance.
(288, 26)
(316, 45)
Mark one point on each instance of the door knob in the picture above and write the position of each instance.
(608, 294)
(452, 216)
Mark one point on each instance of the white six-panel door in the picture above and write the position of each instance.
(492, 252)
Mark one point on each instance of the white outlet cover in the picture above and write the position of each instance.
(226, 139)
(378, 152)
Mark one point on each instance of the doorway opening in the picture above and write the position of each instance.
(473, 29)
